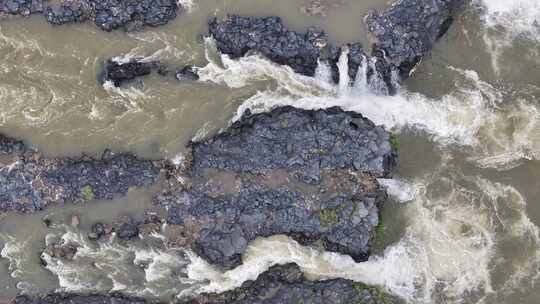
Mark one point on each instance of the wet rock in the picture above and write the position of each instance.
(118, 73)
(404, 34)
(79, 299)
(236, 36)
(307, 174)
(301, 141)
(33, 182)
(21, 7)
(187, 73)
(99, 230)
(131, 15)
(128, 229)
(286, 284)
(279, 285)
(10, 146)
(121, 72)
(407, 30)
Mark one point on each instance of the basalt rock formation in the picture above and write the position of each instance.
(236, 36)
(404, 34)
(79, 299)
(311, 175)
(29, 181)
(120, 72)
(286, 284)
(406, 31)
(279, 285)
(108, 15)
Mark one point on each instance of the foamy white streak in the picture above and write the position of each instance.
(399, 190)
(448, 250)
(472, 115)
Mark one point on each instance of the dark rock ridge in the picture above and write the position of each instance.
(30, 182)
(236, 36)
(279, 285)
(79, 299)
(121, 72)
(286, 284)
(108, 15)
(405, 33)
(307, 174)
(409, 29)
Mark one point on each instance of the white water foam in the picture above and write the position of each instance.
(188, 5)
(448, 251)
(518, 17)
(507, 20)
(474, 115)
(110, 266)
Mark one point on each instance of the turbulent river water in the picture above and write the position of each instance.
(462, 223)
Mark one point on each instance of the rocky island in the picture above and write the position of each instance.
(309, 174)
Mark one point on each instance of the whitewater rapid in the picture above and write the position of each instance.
(458, 224)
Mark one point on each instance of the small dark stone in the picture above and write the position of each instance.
(127, 231)
(187, 73)
(99, 230)
(122, 72)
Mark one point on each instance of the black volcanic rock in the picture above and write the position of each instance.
(31, 182)
(237, 35)
(286, 284)
(311, 175)
(279, 285)
(407, 30)
(79, 299)
(405, 33)
(118, 73)
(108, 15)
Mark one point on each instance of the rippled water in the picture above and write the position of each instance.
(462, 225)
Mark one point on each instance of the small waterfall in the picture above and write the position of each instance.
(343, 66)
(376, 83)
(361, 81)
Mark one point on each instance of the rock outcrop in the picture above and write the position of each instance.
(30, 181)
(311, 175)
(406, 31)
(108, 15)
(286, 284)
(79, 299)
(118, 72)
(279, 285)
(236, 36)
(404, 34)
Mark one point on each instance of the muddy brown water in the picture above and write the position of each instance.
(469, 172)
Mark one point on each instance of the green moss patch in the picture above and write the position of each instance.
(394, 141)
(380, 296)
(87, 193)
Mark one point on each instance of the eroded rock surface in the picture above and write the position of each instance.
(79, 299)
(30, 182)
(286, 284)
(279, 285)
(409, 29)
(118, 72)
(307, 174)
(108, 15)
(404, 34)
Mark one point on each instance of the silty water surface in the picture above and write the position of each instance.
(462, 227)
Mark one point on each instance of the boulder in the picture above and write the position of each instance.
(311, 175)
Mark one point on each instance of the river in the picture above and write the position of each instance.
(462, 222)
